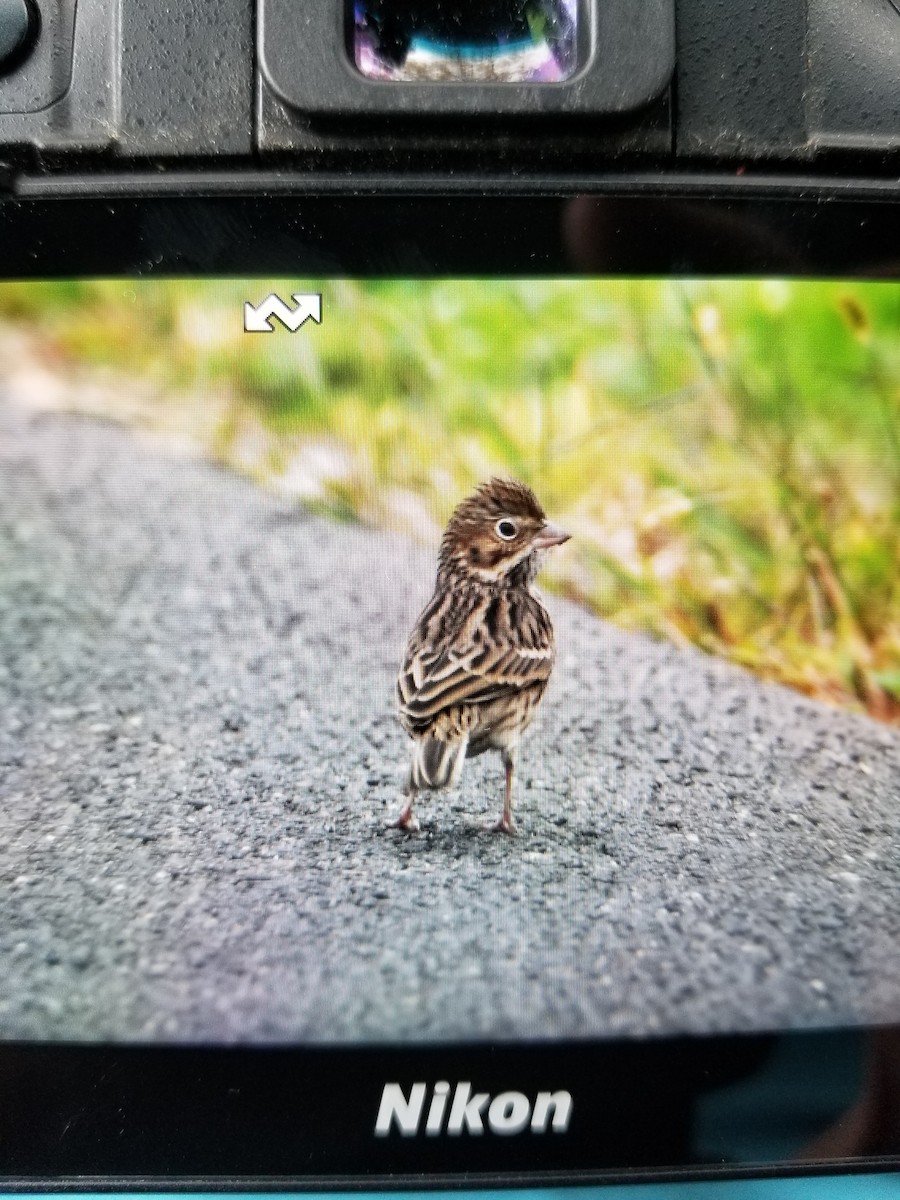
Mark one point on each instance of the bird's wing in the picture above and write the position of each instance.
(474, 660)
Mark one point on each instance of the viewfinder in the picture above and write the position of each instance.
(469, 41)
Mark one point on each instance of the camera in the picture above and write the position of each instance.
(449, 620)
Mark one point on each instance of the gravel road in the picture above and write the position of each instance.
(198, 750)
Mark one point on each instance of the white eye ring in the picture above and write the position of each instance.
(506, 529)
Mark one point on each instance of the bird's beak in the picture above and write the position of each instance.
(550, 535)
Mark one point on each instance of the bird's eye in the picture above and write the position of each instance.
(506, 529)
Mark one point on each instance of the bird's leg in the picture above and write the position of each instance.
(406, 820)
(506, 824)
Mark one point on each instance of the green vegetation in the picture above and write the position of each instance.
(726, 454)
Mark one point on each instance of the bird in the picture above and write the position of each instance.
(481, 653)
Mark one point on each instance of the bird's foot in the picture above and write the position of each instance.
(406, 821)
(503, 825)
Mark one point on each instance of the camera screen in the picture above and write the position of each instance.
(435, 661)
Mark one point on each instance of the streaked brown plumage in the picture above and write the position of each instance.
(481, 653)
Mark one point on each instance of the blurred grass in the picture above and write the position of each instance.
(727, 454)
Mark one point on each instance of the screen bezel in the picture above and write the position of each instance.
(68, 227)
(133, 1117)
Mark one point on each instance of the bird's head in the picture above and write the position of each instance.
(497, 534)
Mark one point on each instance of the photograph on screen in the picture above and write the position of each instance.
(448, 660)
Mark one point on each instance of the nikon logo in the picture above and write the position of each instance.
(469, 1112)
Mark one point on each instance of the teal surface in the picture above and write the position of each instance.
(884, 1186)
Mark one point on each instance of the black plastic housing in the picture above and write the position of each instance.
(141, 87)
(628, 60)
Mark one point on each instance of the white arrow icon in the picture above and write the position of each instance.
(257, 319)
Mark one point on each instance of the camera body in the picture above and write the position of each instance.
(237, 91)
(233, 138)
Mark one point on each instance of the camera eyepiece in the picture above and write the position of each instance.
(18, 29)
(483, 41)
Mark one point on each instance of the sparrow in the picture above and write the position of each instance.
(481, 653)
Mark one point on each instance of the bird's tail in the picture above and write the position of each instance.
(437, 764)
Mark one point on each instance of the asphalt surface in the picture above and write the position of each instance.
(198, 750)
